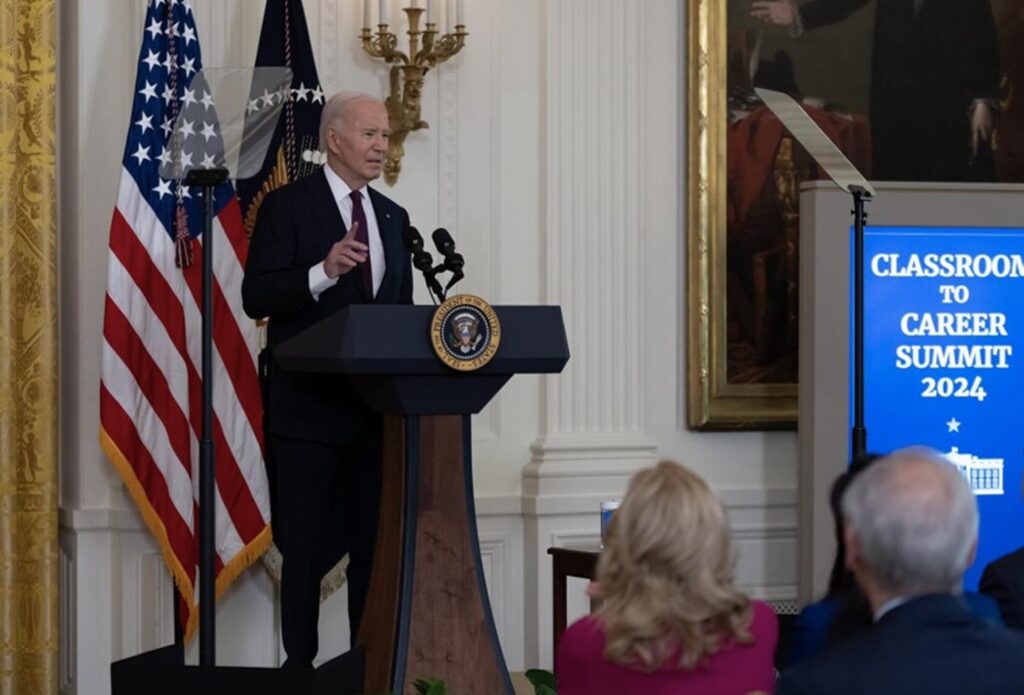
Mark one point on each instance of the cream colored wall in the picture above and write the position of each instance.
(555, 157)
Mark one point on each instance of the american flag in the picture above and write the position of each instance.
(150, 394)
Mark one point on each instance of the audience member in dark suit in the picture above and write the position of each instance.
(934, 80)
(320, 244)
(1003, 580)
(671, 620)
(844, 611)
(911, 531)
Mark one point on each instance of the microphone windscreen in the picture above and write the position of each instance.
(443, 241)
(413, 240)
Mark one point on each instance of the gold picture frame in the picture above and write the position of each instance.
(712, 402)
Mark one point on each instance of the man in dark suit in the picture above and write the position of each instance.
(1003, 580)
(320, 244)
(934, 81)
(911, 531)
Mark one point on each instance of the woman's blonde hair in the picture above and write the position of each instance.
(666, 573)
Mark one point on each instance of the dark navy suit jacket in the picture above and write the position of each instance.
(931, 645)
(296, 227)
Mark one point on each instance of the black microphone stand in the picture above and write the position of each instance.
(207, 180)
(859, 434)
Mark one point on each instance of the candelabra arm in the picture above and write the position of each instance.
(427, 48)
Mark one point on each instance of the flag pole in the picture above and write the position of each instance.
(208, 180)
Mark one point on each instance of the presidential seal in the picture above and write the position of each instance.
(465, 332)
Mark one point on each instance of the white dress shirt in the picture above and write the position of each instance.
(318, 280)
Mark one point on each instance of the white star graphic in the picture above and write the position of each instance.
(189, 66)
(165, 157)
(157, 3)
(208, 131)
(142, 154)
(189, 97)
(252, 107)
(167, 126)
(284, 95)
(153, 28)
(300, 93)
(145, 122)
(318, 95)
(175, 29)
(163, 188)
(187, 5)
(187, 128)
(185, 159)
(148, 91)
(152, 60)
(268, 98)
(168, 63)
(189, 35)
(207, 100)
(168, 93)
(207, 162)
(186, 192)
(953, 425)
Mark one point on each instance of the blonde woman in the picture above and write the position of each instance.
(671, 620)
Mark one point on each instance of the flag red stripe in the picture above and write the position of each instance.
(121, 430)
(230, 218)
(150, 281)
(233, 350)
(121, 337)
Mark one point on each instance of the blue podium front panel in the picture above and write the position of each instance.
(944, 361)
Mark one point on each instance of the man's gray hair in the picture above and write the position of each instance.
(334, 111)
(916, 522)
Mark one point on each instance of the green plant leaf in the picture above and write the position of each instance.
(430, 686)
(543, 681)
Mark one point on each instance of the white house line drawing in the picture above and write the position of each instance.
(984, 475)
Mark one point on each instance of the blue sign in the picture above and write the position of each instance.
(944, 361)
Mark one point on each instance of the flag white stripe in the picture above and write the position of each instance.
(123, 388)
(124, 293)
(229, 272)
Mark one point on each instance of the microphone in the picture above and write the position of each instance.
(453, 262)
(443, 241)
(422, 260)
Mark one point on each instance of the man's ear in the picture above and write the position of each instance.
(972, 555)
(853, 555)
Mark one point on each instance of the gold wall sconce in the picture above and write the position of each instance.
(408, 69)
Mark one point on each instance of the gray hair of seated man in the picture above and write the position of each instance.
(915, 520)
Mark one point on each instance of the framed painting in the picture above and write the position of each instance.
(910, 90)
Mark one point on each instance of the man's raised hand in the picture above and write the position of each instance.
(346, 254)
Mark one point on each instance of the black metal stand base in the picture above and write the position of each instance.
(163, 672)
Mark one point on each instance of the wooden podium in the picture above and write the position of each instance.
(427, 613)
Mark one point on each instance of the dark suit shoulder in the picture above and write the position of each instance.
(382, 202)
(295, 192)
(1010, 562)
(909, 652)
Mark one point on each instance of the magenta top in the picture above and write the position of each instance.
(735, 669)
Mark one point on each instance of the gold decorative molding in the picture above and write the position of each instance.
(28, 349)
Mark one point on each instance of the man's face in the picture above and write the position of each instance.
(359, 141)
